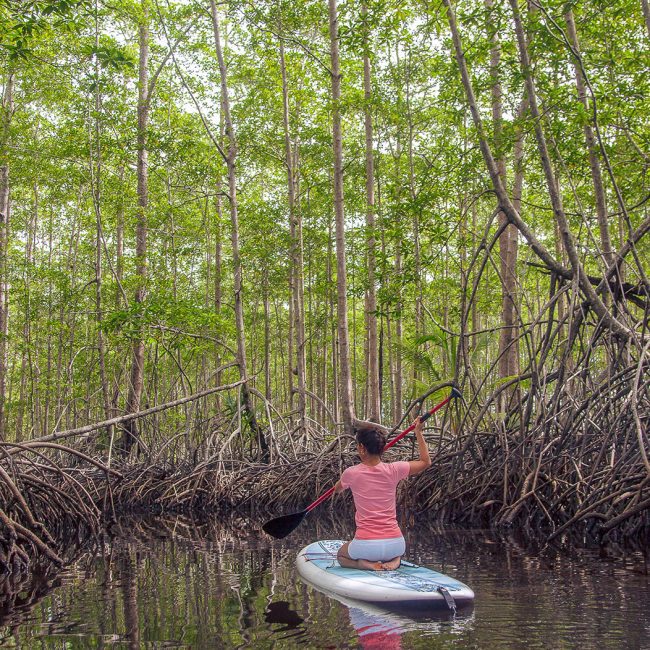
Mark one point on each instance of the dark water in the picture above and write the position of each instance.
(170, 583)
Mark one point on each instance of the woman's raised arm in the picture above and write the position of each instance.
(418, 466)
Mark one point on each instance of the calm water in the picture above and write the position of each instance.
(170, 583)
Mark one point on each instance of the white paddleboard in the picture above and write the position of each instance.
(410, 583)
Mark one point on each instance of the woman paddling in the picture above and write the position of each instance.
(378, 542)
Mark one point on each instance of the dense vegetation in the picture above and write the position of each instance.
(331, 211)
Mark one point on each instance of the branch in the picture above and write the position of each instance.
(133, 416)
(172, 49)
(189, 90)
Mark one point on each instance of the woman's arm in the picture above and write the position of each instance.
(338, 487)
(418, 466)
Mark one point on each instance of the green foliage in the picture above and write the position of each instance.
(22, 21)
(71, 147)
(110, 54)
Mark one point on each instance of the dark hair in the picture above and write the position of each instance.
(371, 438)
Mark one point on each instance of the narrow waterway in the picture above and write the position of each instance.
(171, 583)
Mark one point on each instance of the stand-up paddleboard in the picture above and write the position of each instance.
(410, 583)
(398, 618)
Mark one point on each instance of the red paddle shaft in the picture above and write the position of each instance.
(454, 393)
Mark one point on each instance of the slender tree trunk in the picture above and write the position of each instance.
(592, 147)
(218, 245)
(415, 228)
(267, 339)
(513, 248)
(291, 339)
(295, 224)
(7, 114)
(119, 244)
(395, 332)
(24, 370)
(68, 319)
(373, 401)
(345, 378)
(218, 252)
(382, 274)
(45, 419)
(172, 253)
(508, 348)
(476, 317)
(397, 342)
(136, 382)
(96, 187)
(332, 320)
(218, 262)
(230, 159)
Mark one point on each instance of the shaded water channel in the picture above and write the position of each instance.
(171, 583)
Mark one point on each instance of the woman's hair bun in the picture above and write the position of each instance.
(371, 436)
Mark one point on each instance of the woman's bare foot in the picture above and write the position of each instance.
(391, 565)
(370, 566)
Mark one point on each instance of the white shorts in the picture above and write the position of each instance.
(376, 550)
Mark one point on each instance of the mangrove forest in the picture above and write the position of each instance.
(231, 231)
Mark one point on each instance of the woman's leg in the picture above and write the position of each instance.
(346, 561)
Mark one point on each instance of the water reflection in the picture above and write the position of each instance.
(378, 626)
(177, 583)
(280, 613)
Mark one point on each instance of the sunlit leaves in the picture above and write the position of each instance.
(22, 20)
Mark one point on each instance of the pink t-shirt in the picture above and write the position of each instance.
(373, 489)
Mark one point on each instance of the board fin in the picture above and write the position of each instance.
(449, 599)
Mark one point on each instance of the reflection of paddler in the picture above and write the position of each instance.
(382, 626)
(375, 631)
(279, 612)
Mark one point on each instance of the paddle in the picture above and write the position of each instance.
(282, 526)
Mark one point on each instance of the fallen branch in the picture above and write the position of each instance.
(133, 416)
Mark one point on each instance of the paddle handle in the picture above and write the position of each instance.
(454, 393)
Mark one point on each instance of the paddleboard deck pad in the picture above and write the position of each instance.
(409, 583)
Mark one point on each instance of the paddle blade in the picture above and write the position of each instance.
(282, 526)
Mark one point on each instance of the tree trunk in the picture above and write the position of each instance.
(513, 247)
(218, 245)
(398, 378)
(136, 381)
(345, 378)
(7, 114)
(295, 224)
(415, 230)
(96, 187)
(508, 348)
(230, 160)
(373, 400)
(119, 244)
(592, 147)
(332, 321)
(267, 339)
(24, 371)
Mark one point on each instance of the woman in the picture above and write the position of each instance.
(378, 543)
